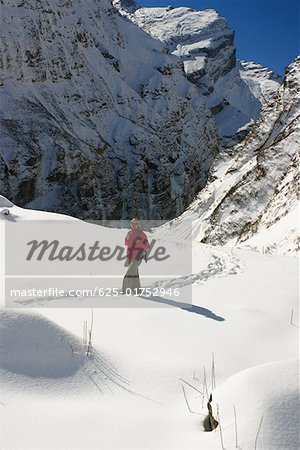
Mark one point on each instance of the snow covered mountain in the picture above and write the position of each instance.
(262, 82)
(252, 196)
(202, 39)
(96, 119)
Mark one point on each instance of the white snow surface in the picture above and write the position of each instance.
(128, 393)
(255, 393)
(282, 237)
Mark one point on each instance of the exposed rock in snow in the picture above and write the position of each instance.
(256, 184)
(204, 42)
(96, 119)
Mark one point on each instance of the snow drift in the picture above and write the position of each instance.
(33, 346)
(266, 399)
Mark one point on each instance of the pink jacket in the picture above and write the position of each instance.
(136, 241)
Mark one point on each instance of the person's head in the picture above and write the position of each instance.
(135, 224)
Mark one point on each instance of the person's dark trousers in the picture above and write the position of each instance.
(131, 281)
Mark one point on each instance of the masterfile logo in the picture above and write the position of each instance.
(49, 263)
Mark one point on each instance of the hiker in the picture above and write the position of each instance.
(137, 246)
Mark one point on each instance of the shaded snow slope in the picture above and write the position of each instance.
(256, 184)
(268, 393)
(97, 121)
(36, 353)
(36, 348)
(205, 44)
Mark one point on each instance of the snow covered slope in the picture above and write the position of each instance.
(96, 119)
(252, 195)
(262, 82)
(204, 42)
(127, 394)
(31, 346)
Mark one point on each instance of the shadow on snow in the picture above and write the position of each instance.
(186, 307)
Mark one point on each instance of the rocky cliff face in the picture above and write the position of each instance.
(254, 188)
(96, 119)
(202, 39)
